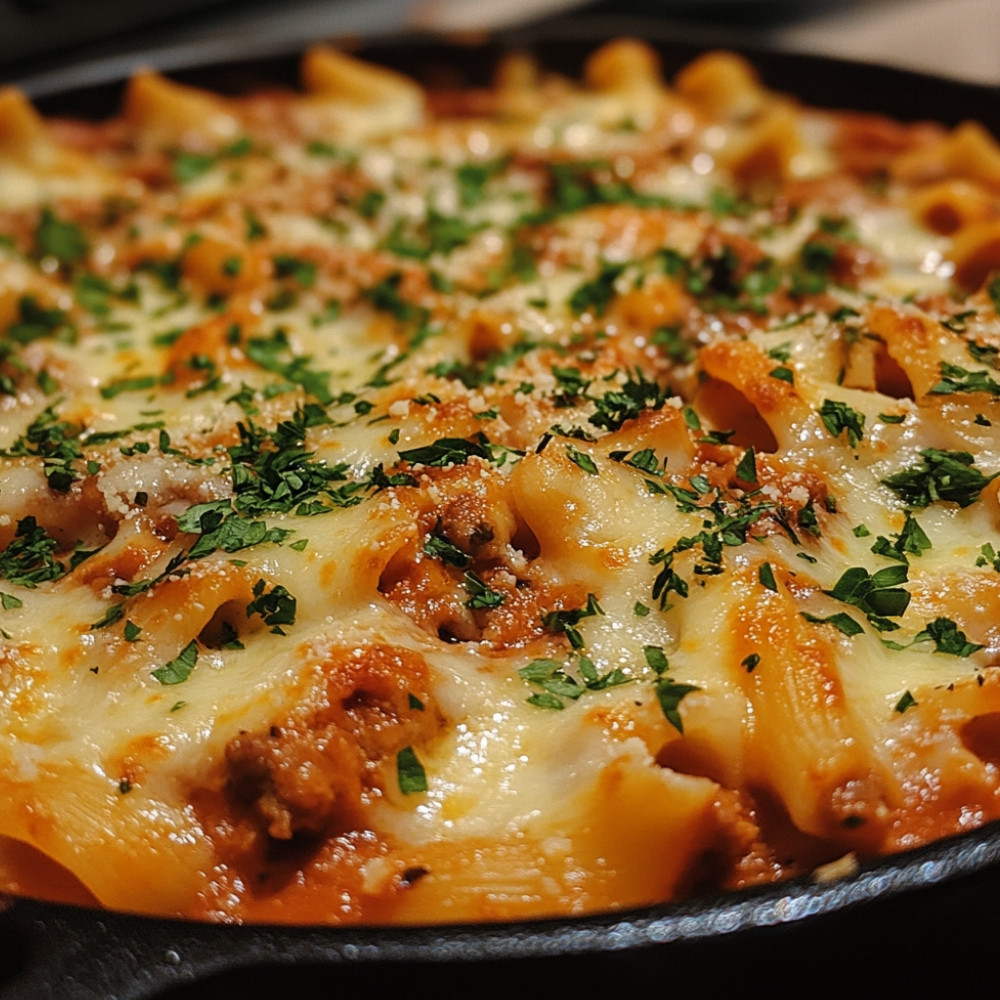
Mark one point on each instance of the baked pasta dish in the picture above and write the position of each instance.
(471, 504)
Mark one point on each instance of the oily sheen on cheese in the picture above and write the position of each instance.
(462, 505)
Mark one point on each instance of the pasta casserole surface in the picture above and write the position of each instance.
(429, 505)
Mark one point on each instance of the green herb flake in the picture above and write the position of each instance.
(439, 546)
(747, 467)
(301, 271)
(481, 597)
(275, 606)
(947, 638)
(941, 475)
(57, 238)
(542, 699)
(749, 663)
(841, 621)
(656, 659)
(912, 539)
(988, 557)
(670, 694)
(29, 558)
(188, 167)
(178, 670)
(594, 296)
(955, 379)
(582, 459)
(566, 621)
(878, 594)
(839, 417)
(114, 614)
(766, 576)
(447, 451)
(410, 772)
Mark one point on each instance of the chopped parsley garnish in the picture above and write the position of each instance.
(656, 659)
(912, 540)
(275, 606)
(566, 621)
(448, 451)
(958, 322)
(179, 669)
(441, 547)
(746, 469)
(36, 322)
(369, 204)
(906, 701)
(577, 185)
(29, 558)
(676, 346)
(879, 595)
(595, 296)
(841, 621)
(947, 638)
(807, 519)
(731, 520)
(581, 459)
(410, 772)
(557, 683)
(839, 417)
(954, 379)
(766, 576)
(481, 597)
(385, 297)
(301, 271)
(942, 475)
(670, 694)
(634, 396)
(472, 178)
(221, 527)
(273, 472)
(93, 293)
(436, 234)
(274, 354)
(988, 557)
(114, 614)
(56, 442)
(189, 167)
(136, 383)
(55, 237)
(993, 290)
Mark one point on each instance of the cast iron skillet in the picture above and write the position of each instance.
(920, 921)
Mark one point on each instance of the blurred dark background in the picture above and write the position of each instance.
(46, 45)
